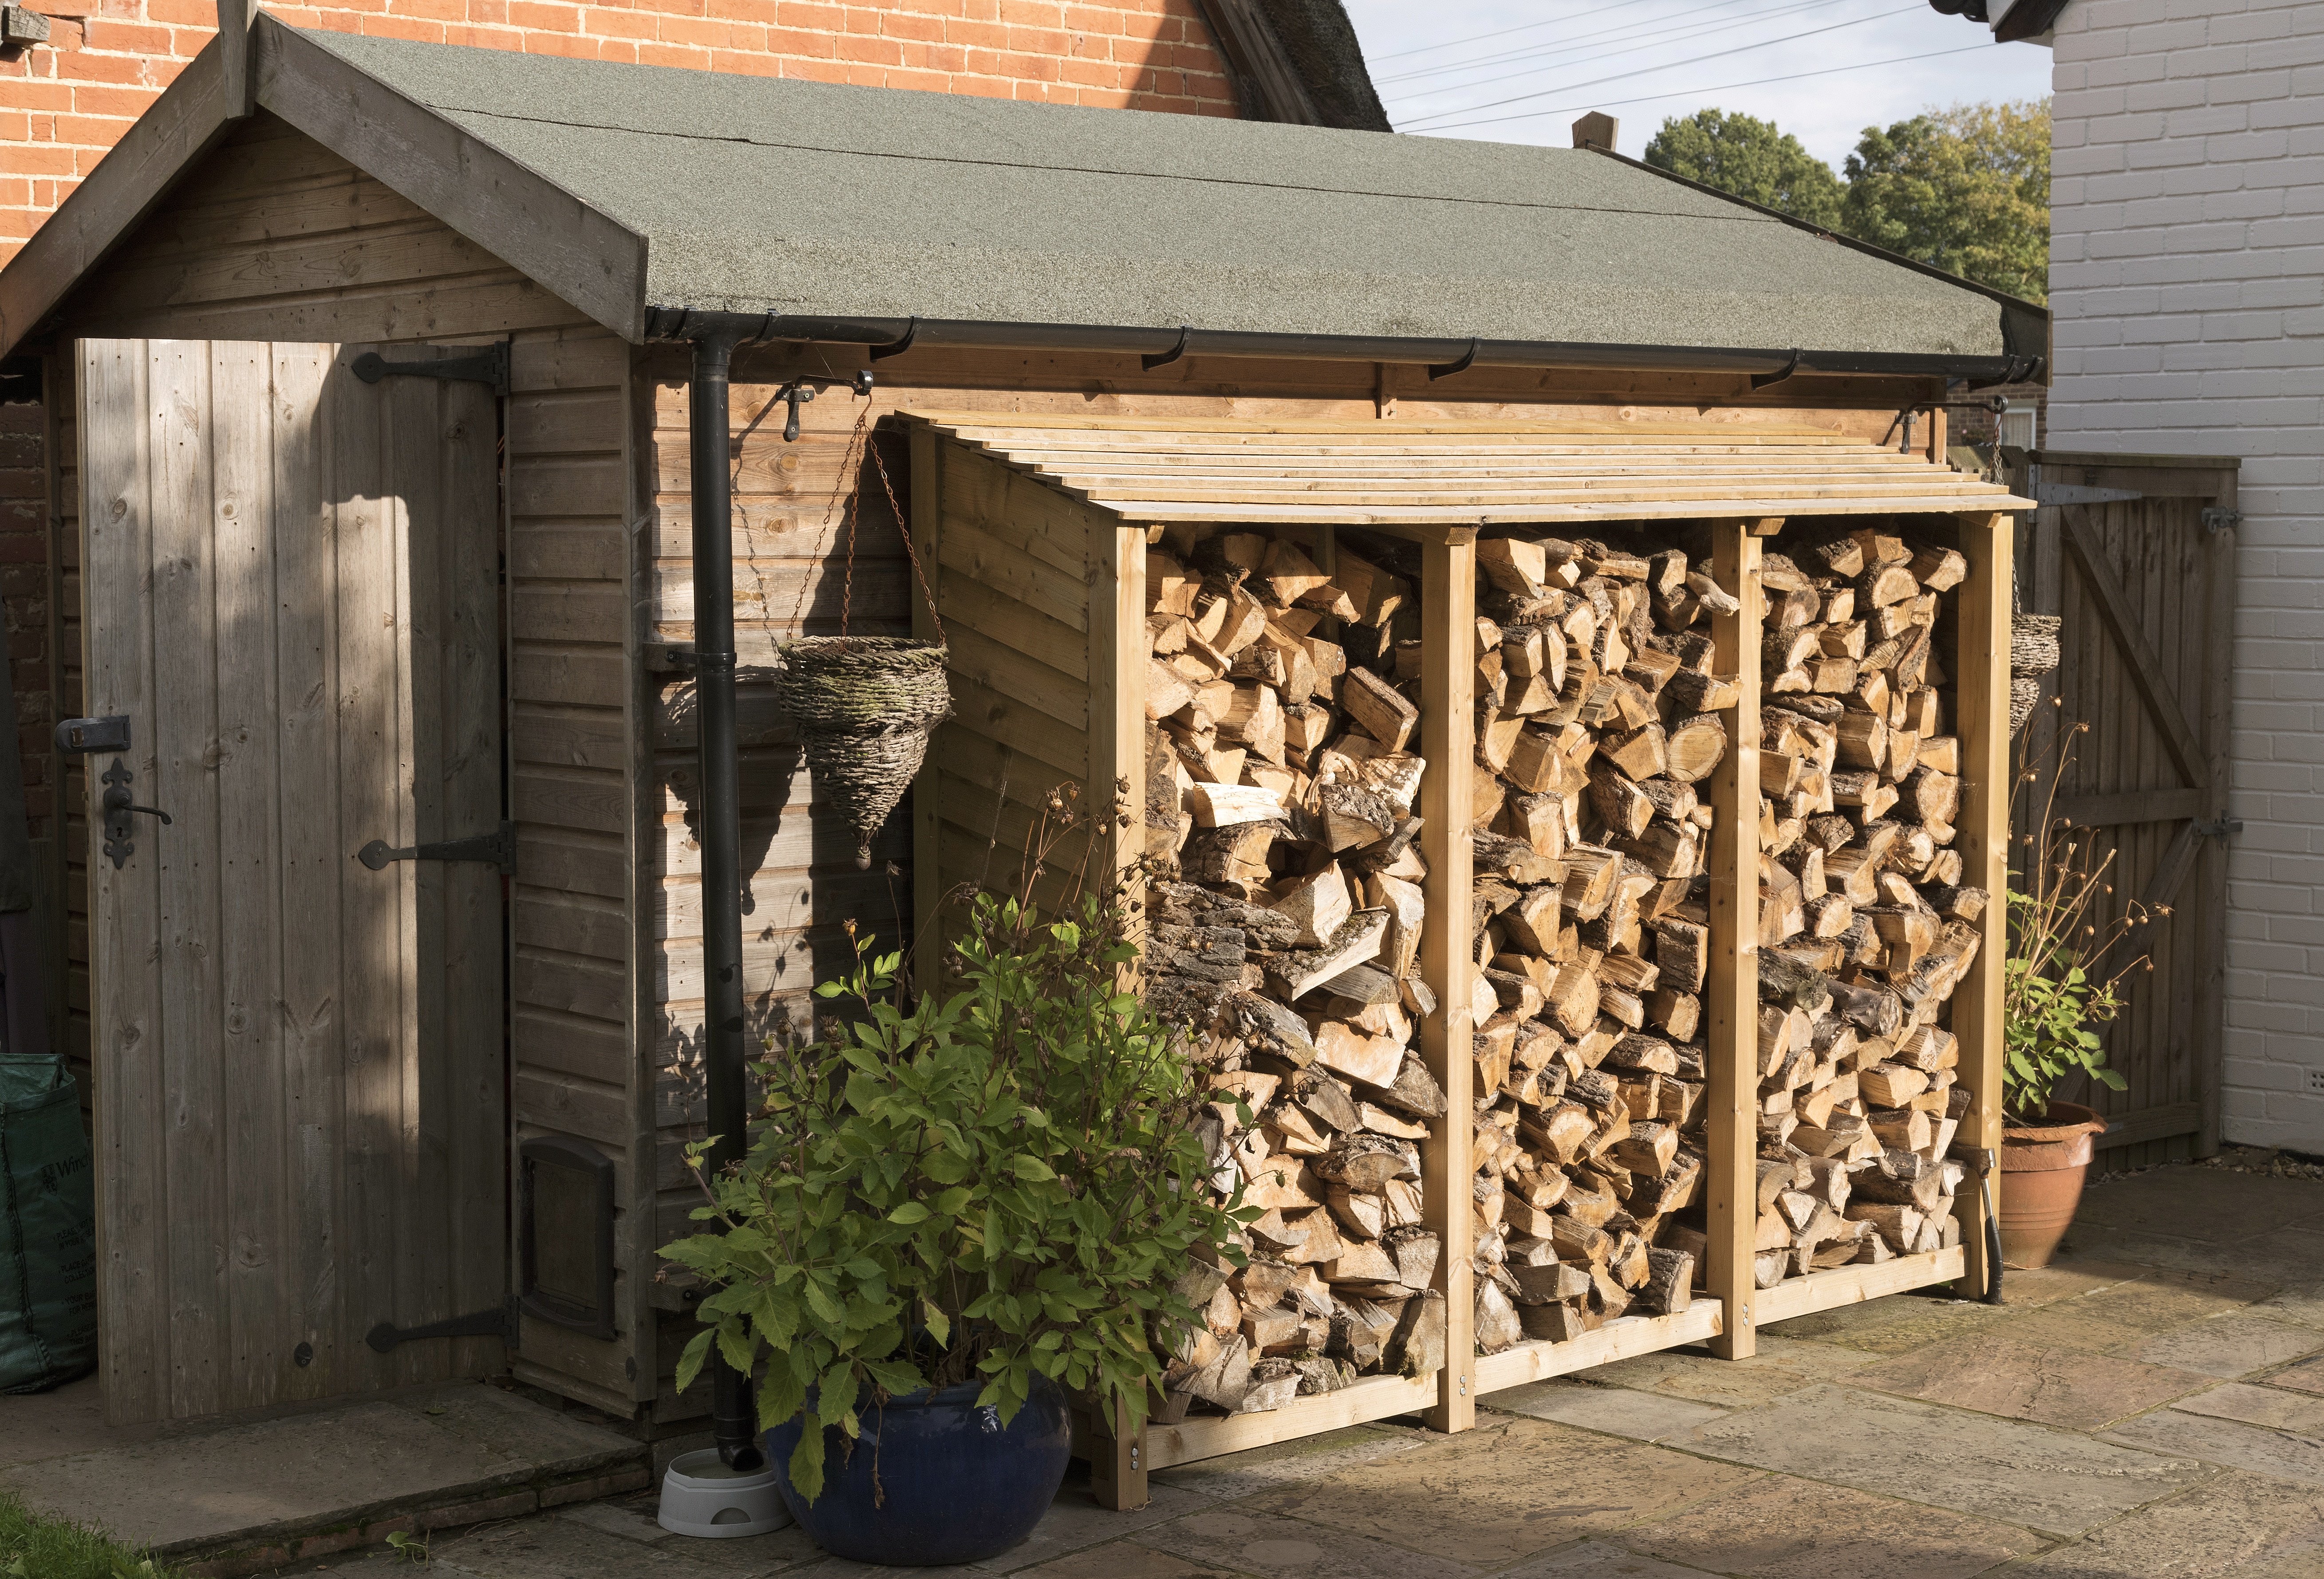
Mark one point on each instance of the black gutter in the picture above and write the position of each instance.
(891, 335)
(733, 1412)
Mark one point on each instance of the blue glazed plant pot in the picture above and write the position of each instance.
(959, 1486)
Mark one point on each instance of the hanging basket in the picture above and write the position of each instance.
(864, 707)
(2032, 645)
(2024, 695)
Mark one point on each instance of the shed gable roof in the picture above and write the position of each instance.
(628, 188)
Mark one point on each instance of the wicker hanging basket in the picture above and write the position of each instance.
(2032, 645)
(864, 707)
(2024, 695)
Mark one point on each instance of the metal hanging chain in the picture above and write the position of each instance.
(856, 441)
(904, 531)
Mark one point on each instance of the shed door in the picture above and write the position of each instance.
(292, 590)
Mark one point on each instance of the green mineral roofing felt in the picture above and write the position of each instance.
(760, 195)
(627, 189)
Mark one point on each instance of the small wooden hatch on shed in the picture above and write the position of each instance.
(416, 468)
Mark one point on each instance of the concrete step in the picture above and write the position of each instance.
(245, 1497)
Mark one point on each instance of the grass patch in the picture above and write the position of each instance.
(35, 1548)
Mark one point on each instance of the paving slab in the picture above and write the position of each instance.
(1895, 1325)
(2301, 1304)
(273, 1482)
(1259, 1469)
(1619, 1412)
(1074, 1520)
(2259, 1406)
(2230, 1443)
(1595, 1559)
(738, 1557)
(1994, 1374)
(2126, 1315)
(1126, 1560)
(2000, 1469)
(2308, 1376)
(2200, 1203)
(557, 1549)
(2036, 1285)
(2246, 1526)
(1254, 1541)
(2231, 1345)
(1779, 1528)
(1782, 1366)
(64, 1419)
(1505, 1490)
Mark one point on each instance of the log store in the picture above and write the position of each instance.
(1561, 690)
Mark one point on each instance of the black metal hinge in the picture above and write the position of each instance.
(2220, 518)
(2223, 829)
(500, 1322)
(489, 365)
(499, 848)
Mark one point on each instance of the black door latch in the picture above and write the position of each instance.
(499, 848)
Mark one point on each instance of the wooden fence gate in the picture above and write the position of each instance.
(2136, 553)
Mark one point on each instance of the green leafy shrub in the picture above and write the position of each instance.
(1008, 1165)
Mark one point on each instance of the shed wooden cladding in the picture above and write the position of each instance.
(1417, 473)
(1037, 558)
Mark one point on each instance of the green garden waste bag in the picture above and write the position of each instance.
(47, 1228)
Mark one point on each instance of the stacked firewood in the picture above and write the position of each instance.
(1598, 693)
(1866, 927)
(1282, 928)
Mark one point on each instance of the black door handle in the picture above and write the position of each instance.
(117, 808)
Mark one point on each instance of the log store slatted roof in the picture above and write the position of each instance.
(1469, 473)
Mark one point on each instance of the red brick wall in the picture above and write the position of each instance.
(24, 602)
(64, 103)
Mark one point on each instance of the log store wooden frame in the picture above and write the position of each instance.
(1075, 557)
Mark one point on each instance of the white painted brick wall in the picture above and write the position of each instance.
(2187, 278)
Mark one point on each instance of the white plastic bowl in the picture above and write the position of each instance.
(701, 1497)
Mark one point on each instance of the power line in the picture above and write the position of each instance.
(1536, 48)
(1690, 92)
(1497, 33)
(1626, 49)
(1673, 64)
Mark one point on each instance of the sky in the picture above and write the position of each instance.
(1443, 62)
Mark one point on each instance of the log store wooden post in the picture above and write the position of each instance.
(1981, 682)
(1732, 1008)
(1448, 596)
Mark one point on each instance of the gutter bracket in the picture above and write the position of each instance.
(1762, 380)
(898, 347)
(1447, 369)
(1170, 355)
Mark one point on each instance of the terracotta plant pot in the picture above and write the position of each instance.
(2042, 1170)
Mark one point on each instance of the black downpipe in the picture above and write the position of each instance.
(733, 1410)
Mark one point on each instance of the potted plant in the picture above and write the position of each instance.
(955, 1210)
(2057, 986)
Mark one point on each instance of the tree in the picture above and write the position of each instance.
(1751, 159)
(1965, 189)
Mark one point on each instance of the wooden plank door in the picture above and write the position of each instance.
(292, 594)
(2137, 555)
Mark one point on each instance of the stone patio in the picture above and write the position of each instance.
(2152, 1406)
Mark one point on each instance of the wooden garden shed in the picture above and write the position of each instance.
(436, 430)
